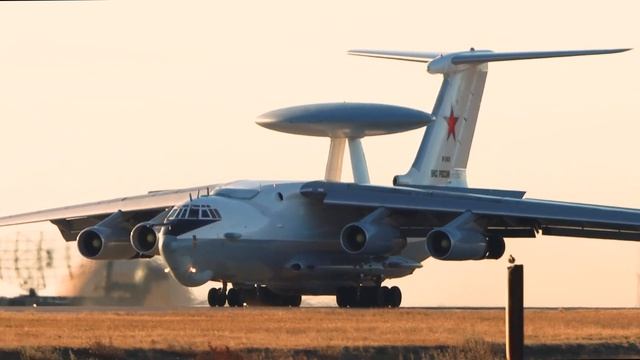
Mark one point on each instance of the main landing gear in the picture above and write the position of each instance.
(369, 296)
(218, 297)
(261, 296)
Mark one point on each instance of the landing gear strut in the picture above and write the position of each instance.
(368, 296)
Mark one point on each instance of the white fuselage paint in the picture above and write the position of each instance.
(278, 238)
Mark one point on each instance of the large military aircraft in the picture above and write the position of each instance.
(274, 241)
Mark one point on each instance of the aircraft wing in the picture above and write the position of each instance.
(417, 211)
(72, 219)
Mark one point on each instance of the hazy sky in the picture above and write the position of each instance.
(109, 98)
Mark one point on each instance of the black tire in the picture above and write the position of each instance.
(347, 297)
(395, 297)
(222, 299)
(215, 296)
(386, 296)
(371, 296)
(342, 297)
(234, 298)
(294, 300)
(212, 297)
(378, 299)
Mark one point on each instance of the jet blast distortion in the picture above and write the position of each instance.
(270, 242)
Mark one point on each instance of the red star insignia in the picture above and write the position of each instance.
(452, 120)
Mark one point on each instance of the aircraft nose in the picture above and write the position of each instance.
(179, 256)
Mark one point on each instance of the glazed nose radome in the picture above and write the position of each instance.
(178, 256)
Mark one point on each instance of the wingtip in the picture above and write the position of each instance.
(617, 50)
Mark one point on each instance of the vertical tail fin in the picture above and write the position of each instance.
(444, 152)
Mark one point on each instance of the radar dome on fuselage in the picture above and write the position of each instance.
(344, 120)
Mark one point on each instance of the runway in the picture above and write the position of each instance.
(292, 329)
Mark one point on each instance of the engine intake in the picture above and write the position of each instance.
(371, 236)
(462, 239)
(453, 244)
(144, 239)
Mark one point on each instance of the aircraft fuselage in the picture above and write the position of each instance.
(270, 234)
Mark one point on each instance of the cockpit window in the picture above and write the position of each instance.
(205, 214)
(194, 212)
(182, 213)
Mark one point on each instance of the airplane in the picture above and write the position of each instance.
(274, 241)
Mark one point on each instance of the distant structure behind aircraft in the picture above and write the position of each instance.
(38, 265)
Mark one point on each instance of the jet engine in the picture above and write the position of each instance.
(144, 239)
(371, 236)
(462, 239)
(448, 243)
(107, 240)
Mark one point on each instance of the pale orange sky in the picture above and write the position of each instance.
(109, 98)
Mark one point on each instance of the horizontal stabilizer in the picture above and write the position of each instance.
(397, 55)
(479, 56)
(475, 57)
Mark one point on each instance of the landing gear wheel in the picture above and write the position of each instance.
(235, 298)
(293, 300)
(347, 297)
(222, 299)
(216, 297)
(386, 293)
(371, 296)
(212, 297)
(394, 297)
(378, 299)
(341, 297)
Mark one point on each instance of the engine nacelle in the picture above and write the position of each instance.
(144, 239)
(462, 239)
(371, 238)
(448, 243)
(105, 243)
(107, 240)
